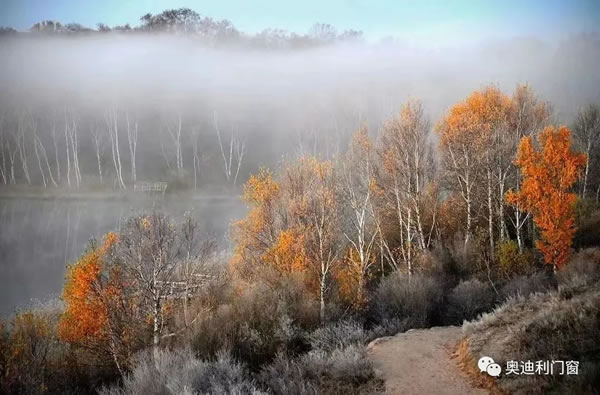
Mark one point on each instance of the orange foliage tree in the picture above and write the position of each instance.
(292, 225)
(548, 175)
(257, 235)
(469, 137)
(93, 317)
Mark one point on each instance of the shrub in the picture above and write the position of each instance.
(465, 260)
(588, 224)
(342, 371)
(389, 327)
(179, 372)
(582, 269)
(469, 299)
(33, 360)
(414, 300)
(257, 323)
(526, 285)
(511, 261)
(337, 335)
(437, 262)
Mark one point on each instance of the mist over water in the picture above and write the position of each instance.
(40, 237)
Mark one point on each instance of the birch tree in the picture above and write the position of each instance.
(21, 139)
(152, 258)
(3, 168)
(175, 133)
(461, 145)
(72, 143)
(586, 132)
(408, 170)
(232, 160)
(112, 124)
(98, 140)
(323, 245)
(132, 139)
(11, 149)
(40, 149)
(56, 156)
(527, 116)
(358, 185)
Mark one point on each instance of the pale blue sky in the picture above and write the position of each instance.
(409, 18)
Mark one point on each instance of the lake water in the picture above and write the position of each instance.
(39, 237)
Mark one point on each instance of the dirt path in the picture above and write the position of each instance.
(418, 362)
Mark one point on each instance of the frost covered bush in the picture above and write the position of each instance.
(527, 285)
(414, 300)
(262, 321)
(341, 371)
(469, 299)
(337, 335)
(582, 269)
(179, 372)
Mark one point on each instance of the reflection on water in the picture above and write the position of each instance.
(38, 238)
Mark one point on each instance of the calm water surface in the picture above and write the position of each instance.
(39, 237)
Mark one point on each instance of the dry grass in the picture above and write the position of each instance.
(468, 365)
(559, 325)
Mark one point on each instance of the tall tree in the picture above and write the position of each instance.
(357, 190)
(408, 170)
(309, 187)
(236, 149)
(97, 317)
(158, 270)
(112, 124)
(468, 139)
(132, 139)
(527, 117)
(548, 175)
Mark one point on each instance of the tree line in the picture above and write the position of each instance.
(46, 151)
(188, 22)
(499, 174)
(71, 147)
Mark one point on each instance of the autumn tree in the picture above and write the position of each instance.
(310, 186)
(467, 135)
(98, 317)
(527, 116)
(155, 259)
(121, 296)
(255, 235)
(292, 225)
(26, 346)
(549, 172)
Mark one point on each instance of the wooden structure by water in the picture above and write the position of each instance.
(150, 187)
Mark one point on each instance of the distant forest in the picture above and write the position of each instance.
(211, 31)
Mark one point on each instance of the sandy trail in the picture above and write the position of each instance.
(418, 362)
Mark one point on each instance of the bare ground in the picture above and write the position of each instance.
(419, 362)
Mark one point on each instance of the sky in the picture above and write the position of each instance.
(427, 19)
